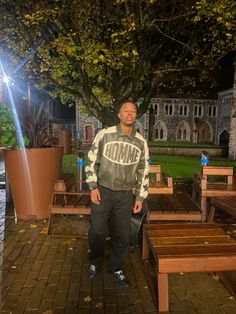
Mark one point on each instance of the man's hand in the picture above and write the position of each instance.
(137, 207)
(95, 196)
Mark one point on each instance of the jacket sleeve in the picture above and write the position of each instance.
(93, 161)
(142, 182)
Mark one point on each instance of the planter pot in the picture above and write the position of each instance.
(32, 173)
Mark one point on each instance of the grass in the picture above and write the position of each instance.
(179, 167)
(183, 166)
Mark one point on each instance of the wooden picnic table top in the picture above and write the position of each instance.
(182, 247)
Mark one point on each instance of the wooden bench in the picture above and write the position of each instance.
(224, 203)
(66, 201)
(177, 206)
(160, 182)
(69, 203)
(214, 181)
(183, 247)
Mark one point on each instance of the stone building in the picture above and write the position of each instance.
(187, 120)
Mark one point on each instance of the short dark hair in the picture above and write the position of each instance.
(124, 101)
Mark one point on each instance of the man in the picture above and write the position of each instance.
(118, 162)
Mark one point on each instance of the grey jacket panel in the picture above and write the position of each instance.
(119, 162)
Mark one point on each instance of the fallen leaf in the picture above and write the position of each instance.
(68, 242)
(13, 266)
(231, 298)
(48, 312)
(29, 242)
(87, 299)
(99, 305)
(44, 231)
(22, 231)
(33, 226)
(216, 278)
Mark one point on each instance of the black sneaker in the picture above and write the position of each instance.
(120, 279)
(92, 271)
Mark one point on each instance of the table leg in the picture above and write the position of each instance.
(204, 206)
(163, 296)
(145, 250)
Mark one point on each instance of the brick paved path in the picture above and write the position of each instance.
(44, 274)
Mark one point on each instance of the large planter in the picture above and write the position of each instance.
(32, 173)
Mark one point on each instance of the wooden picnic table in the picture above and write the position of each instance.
(215, 181)
(224, 203)
(177, 206)
(183, 247)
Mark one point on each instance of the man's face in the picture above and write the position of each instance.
(127, 114)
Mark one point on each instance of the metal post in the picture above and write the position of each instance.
(80, 163)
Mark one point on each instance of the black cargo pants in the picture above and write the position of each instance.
(113, 215)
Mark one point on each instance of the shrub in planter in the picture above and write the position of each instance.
(33, 170)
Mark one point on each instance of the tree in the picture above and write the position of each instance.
(102, 51)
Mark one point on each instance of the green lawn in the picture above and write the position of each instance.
(184, 167)
(177, 166)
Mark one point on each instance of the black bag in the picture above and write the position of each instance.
(136, 223)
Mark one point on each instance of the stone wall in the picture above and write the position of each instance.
(189, 151)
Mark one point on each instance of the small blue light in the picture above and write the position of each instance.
(81, 163)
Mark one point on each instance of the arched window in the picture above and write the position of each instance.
(166, 109)
(183, 132)
(199, 111)
(169, 111)
(185, 110)
(214, 111)
(160, 132)
(210, 109)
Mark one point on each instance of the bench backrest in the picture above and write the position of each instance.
(155, 172)
(226, 172)
(65, 183)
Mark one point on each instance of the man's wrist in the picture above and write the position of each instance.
(91, 188)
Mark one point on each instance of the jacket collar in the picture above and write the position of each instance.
(120, 133)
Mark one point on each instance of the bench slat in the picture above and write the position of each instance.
(183, 240)
(181, 225)
(185, 232)
(216, 249)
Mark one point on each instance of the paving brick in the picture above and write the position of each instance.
(123, 304)
(72, 306)
(63, 284)
(20, 307)
(49, 293)
(60, 300)
(73, 290)
(46, 305)
(34, 301)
